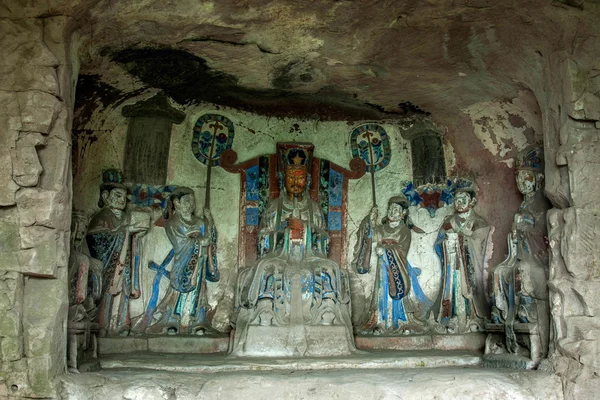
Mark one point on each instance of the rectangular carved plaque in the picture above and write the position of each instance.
(147, 150)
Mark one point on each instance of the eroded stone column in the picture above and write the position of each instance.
(35, 202)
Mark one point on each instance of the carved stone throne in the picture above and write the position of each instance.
(259, 183)
(328, 184)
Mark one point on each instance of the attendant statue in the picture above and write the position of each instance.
(111, 238)
(464, 246)
(293, 284)
(85, 285)
(519, 284)
(390, 305)
(185, 306)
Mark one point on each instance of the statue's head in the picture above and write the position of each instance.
(295, 180)
(295, 172)
(464, 202)
(79, 222)
(397, 209)
(529, 172)
(113, 193)
(465, 195)
(182, 199)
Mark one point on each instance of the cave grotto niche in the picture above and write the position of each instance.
(101, 143)
(508, 200)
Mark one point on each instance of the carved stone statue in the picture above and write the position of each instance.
(85, 283)
(519, 285)
(464, 246)
(194, 239)
(293, 290)
(390, 309)
(111, 238)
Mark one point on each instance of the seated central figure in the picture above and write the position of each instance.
(293, 301)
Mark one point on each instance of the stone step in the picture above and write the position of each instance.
(355, 383)
(216, 363)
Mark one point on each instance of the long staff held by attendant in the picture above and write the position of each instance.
(368, 135)
(216, 127)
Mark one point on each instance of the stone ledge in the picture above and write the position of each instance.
(469, 342)
(217, 363)
(163, 344)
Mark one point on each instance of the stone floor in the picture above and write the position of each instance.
(370, 375)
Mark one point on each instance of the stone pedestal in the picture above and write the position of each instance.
(296, 341)
(163, 344)
(468, 341)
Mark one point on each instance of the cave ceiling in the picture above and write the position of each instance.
(325, 59)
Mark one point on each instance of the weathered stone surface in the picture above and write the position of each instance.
(587, 107)
(44, 331)
(42, 207)
(27, 63)
(9, 230)
(11, 291)
(33, 78)
(55, 160)
(32, 236)
(586, 390)
(26, 166)
(31, 139)
(63, 243)
(579, 243)
(10, 118)
(583, 161)
(39, 110)
(351, 384)
(40, 260)
(22, 43)
(11, 306)
(8, 187)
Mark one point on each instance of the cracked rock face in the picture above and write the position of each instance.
(335, 59)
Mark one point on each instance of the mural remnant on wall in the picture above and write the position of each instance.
(371, 143)
(148, 139)
(213, 134)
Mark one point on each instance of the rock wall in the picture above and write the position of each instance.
(572, 131)
(36, 93)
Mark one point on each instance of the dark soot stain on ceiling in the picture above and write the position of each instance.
(187, 79)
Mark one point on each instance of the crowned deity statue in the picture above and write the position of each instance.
(519, 284)
(184, 308)
(293, 285)
(390, 310)
(112, 239)
(464, 247)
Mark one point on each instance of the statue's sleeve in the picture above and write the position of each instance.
(364, 246)
(267, 230)
(319, 234)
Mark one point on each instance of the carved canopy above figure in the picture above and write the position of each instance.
(260, 182)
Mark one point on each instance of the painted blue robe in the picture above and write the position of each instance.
(108, 241)
(193, 265)
(395, 278)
